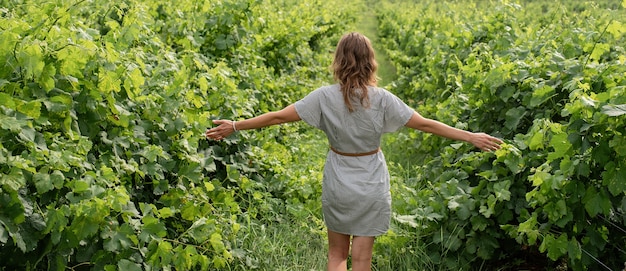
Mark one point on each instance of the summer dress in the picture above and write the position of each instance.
(355, 189)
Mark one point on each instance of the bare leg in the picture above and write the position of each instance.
(338, 249)
(362, 247)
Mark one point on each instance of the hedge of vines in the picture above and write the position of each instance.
(103, 106)
(548, 78)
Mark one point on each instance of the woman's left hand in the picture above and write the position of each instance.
(224, 129)
(485, 142)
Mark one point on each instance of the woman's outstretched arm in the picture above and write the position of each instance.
(227, 127)
(482, 141)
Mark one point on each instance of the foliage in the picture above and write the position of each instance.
(103, 105)
(547, 79)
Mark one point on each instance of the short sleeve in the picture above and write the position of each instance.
(309, 108)
(397, 113)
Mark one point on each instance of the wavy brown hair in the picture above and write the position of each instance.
(354, 67)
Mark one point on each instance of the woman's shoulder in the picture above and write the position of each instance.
(323, 93)
(379, 91)
(327, 90)
(333, 87)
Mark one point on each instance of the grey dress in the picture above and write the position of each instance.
(355, 189)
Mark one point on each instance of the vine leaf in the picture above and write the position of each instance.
(128, 265)
(614, 110)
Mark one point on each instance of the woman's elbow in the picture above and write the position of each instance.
(418, 122)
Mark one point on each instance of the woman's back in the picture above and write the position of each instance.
(358, 131)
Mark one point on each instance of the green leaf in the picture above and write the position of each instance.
(201, 229)
(186, 257)
(31, 109)
(11, 123)
(58, 104)
(613, 178)
(56, 222)
(614, 110)
(463, 212)
(161, 254)
(27, 134)
(508, 92)
(118, 238)
(555, 247)
(556, 210)
(596, 202)
(209, 186)
(488, 210)
(15, 180)
(541, 95)
(165, 212)
(406, 220)
(501, 189)
(573, 249)
(7, 100)
(191, 171)
(4, 234)
(31, 58)
(108, 81)
(79, 186)
(216, 242)
(529, 227)
(189, 211)
(512, 158)
(499, 75)
(536, 141)
(42, 182)
(152, 152)
(153, 226)
(133, 83)
(127, 265)
(599, 50)
(46, 81)
(233, 173)
(561, 146)
(513, 117)
(479, 223)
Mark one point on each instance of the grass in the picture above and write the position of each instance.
(368, 26)
(281, 245)
(291, 245)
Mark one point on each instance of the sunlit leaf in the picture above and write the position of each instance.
(541, 95)
(31, 109)
(42, 183)
(536, 141)
(7, 100)
(31, 58)
(614, 110)
(599, 50)
(556, 247)
(560, 144)
(10, 123)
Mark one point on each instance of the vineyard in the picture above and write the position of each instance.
(104, 165)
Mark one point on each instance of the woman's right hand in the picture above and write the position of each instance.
(224, 129)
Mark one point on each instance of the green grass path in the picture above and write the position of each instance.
(368, 26)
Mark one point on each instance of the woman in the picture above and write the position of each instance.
(354, 114)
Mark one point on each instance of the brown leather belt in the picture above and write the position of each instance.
(355, 154)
